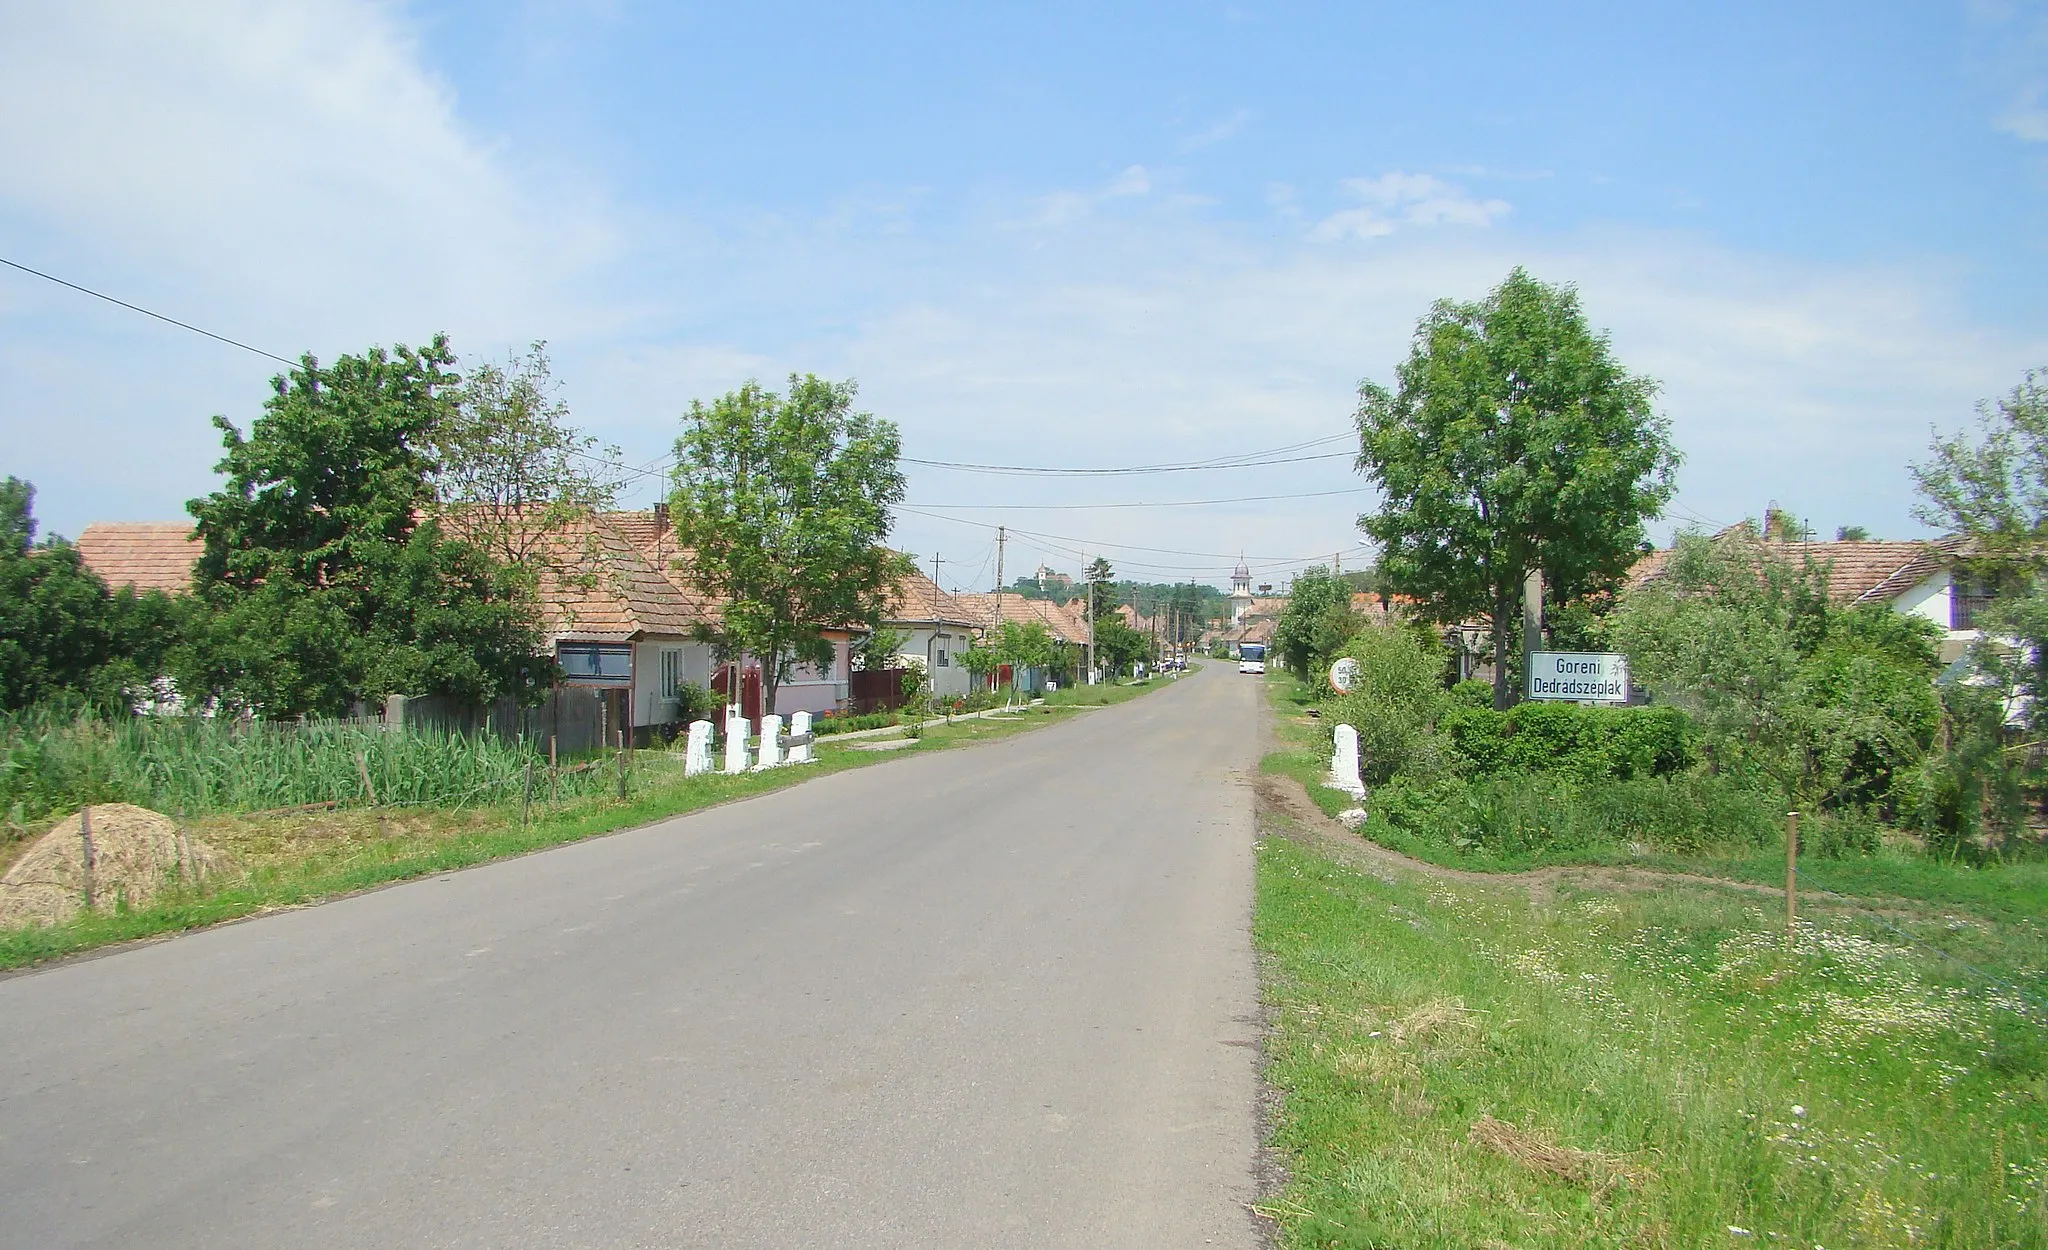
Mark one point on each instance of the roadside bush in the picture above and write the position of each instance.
(836, 723)
(1395, 706)
(1589, 743)
(1473, 693)
(1518, 815)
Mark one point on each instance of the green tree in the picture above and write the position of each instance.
(1990, 487)
(784, 501)
(1118, 646)
(61, 631)
(1513, 441)
(1830, 706)
(511, 472)
(1316, 623)
(326, 576)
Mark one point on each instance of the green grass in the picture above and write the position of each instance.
(295, 861)
(1852, 1092)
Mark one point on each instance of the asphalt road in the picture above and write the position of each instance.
(1001, 996)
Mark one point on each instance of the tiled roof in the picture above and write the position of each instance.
(148, 555)
(1858, 572)
(916, 598)
(1058, 620)
(598, 584)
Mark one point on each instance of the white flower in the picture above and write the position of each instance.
(1798, 1110)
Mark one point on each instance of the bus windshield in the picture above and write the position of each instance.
(1251, 651)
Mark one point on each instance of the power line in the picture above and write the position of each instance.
(1165, 503)
(1136, 470)
(182, 325)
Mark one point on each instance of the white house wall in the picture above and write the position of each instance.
(1930, 600)
(647, 694)
(922, 641)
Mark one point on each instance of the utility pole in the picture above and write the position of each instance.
(1090, 584)
(1002, 535)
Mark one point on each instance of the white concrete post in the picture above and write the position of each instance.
(1344, 773)
(800, 728)
(771, 742)
(735, 741)
(698, 760)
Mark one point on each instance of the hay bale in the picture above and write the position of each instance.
(135, 853)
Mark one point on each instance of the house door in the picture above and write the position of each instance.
(749, 692)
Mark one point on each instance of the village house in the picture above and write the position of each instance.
(620, 619)
(1919, 577)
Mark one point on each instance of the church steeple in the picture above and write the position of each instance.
(1240, 593)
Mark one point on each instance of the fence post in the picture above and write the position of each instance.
(91, 858)
(363, 767)
(1791, 874)
(554, 774)
(622, 766)
(526, 796)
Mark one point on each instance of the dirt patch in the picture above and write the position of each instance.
(122, 855)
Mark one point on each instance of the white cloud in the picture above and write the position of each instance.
(1229, 128)
(2026, 118)
(1061, 208)
(1393, 200)
(293, 165)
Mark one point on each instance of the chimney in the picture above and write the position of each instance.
(661, 518)
(1774, 524)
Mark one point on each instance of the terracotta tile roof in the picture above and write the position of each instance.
(1056, 617)
(148, 555)
(916, 598)
(597, 582)
(1858, 572)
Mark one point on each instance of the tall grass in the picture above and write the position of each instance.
(51, 760)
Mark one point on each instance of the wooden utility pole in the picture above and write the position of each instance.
(1090, 584)
(1791, 876)
(1002, 535)
(1532, 623)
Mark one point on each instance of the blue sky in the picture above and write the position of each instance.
(1036, 234)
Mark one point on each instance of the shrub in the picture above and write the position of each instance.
(1395, 705)
(1589, 743)
(1473, 693)
(1516, 815)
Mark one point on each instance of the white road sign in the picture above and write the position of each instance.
(1578, 676)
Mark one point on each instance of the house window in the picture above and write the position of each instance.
(1968, 597)
(942, 657)
(601, 663)
(671, 672)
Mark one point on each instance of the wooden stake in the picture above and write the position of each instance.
(622, 766)
(526, 796)
(91, 856)
(1791, 874)
(554, 773)
(363, 768)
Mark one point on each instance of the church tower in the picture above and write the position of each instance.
(1240, 594)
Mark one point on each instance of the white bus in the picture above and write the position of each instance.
(1251, 657)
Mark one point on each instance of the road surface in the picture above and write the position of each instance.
(1000, 996)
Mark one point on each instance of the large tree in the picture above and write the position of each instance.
(1316, 623)
(783, 502)
(512, 472)
(62, 632)
(1513, 441)
(328, 577)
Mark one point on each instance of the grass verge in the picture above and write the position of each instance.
(1459, 1067)
(1627, 1061)
(294, 861)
